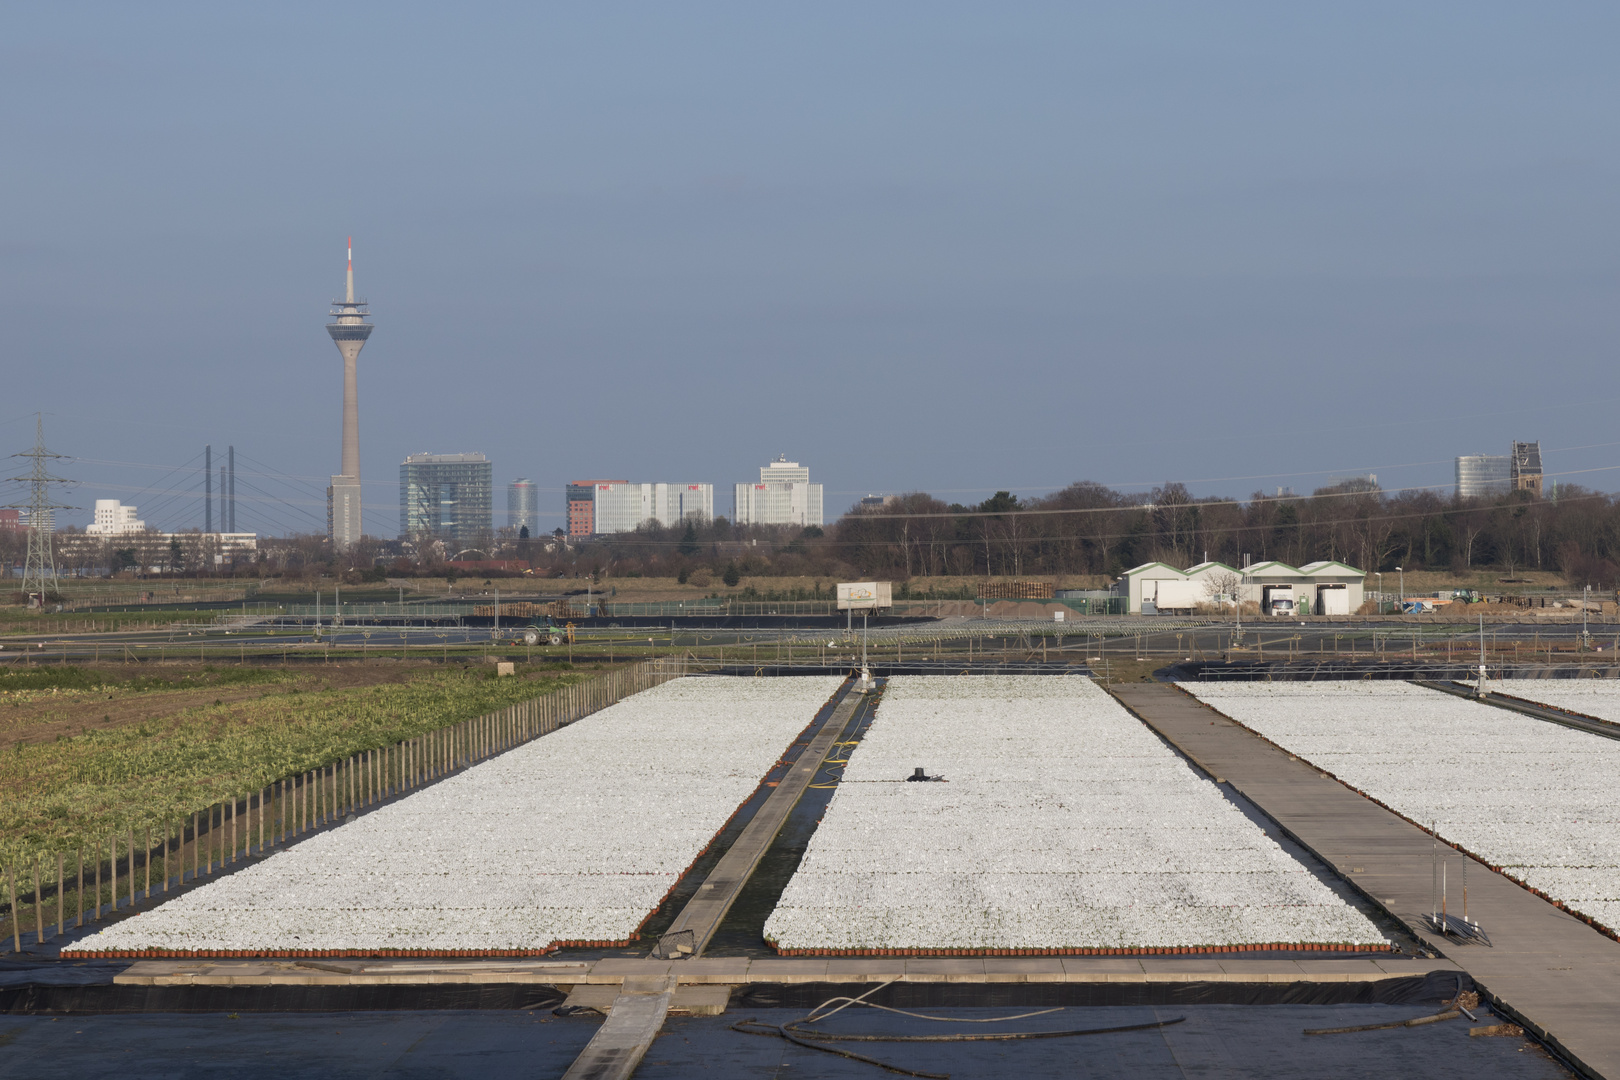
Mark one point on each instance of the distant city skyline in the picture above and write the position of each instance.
(962, 252)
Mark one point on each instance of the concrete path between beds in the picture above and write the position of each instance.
(702, 915)
(1554, 972)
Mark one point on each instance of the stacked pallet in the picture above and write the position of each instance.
(1015, 590)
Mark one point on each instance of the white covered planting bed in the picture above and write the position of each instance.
(1065, 826)
(1529, 798)
(573, 838)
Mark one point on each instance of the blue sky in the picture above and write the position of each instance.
(934, 246)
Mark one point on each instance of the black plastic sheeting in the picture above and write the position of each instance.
(1339, 669)
(1214, 1042)
(883, 669)
(1399, 991)
(103, 998)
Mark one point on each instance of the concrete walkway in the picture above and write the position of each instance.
(1555, 973)
(703, 913)
(1532, 709)
(632, 1024)
(744, 970)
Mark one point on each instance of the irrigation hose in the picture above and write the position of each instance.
(812, 1039)
(1451, 1013)
(1008, 1036)
(747, 1027)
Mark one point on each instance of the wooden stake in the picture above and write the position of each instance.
(112, 868)
(78, 891)
(61, 894)
(39, 904)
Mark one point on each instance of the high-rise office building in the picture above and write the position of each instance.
(349, 330)
(783, 496)
(614, 506)
(581, 496)
(1480, 476)
(522, 505)
(447, 497)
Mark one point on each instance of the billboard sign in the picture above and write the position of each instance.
(864, 595)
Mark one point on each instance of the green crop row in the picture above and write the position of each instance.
(62, 795)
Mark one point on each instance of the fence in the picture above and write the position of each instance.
(255, 823)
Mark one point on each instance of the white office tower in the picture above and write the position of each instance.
(620, 508)
(113, 518)
(783, 496)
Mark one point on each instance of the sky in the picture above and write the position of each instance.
(915, 246)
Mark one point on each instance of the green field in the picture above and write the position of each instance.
(67, 793)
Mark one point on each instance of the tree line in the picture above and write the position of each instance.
(1087, 529)
(1084, 530)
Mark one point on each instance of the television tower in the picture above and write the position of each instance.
(349, 330)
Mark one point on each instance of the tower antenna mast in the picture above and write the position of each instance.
(39, 572)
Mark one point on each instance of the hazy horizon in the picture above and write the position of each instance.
(933, 247)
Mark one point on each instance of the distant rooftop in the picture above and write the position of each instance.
(444, 459)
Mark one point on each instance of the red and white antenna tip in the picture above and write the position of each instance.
(351, 253)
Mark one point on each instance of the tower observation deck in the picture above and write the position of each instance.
(349, 330)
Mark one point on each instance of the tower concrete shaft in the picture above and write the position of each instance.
(349, 330)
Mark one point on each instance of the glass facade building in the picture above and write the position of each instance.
(522, 505)
(1482, 475)
(447, 497)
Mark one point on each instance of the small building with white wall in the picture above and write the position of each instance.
(1327, 587)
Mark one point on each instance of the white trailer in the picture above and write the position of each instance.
(1183, 596)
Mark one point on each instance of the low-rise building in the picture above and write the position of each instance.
(1327, 587)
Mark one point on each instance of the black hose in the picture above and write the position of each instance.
(798, 1037)
(1452, 1013)
(963, 1037)
(779, 1032)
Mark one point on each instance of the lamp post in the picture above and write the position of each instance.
(1401, 571)
(1586, 598)
(1237, 609)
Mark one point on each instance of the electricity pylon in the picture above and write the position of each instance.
(39, 572)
